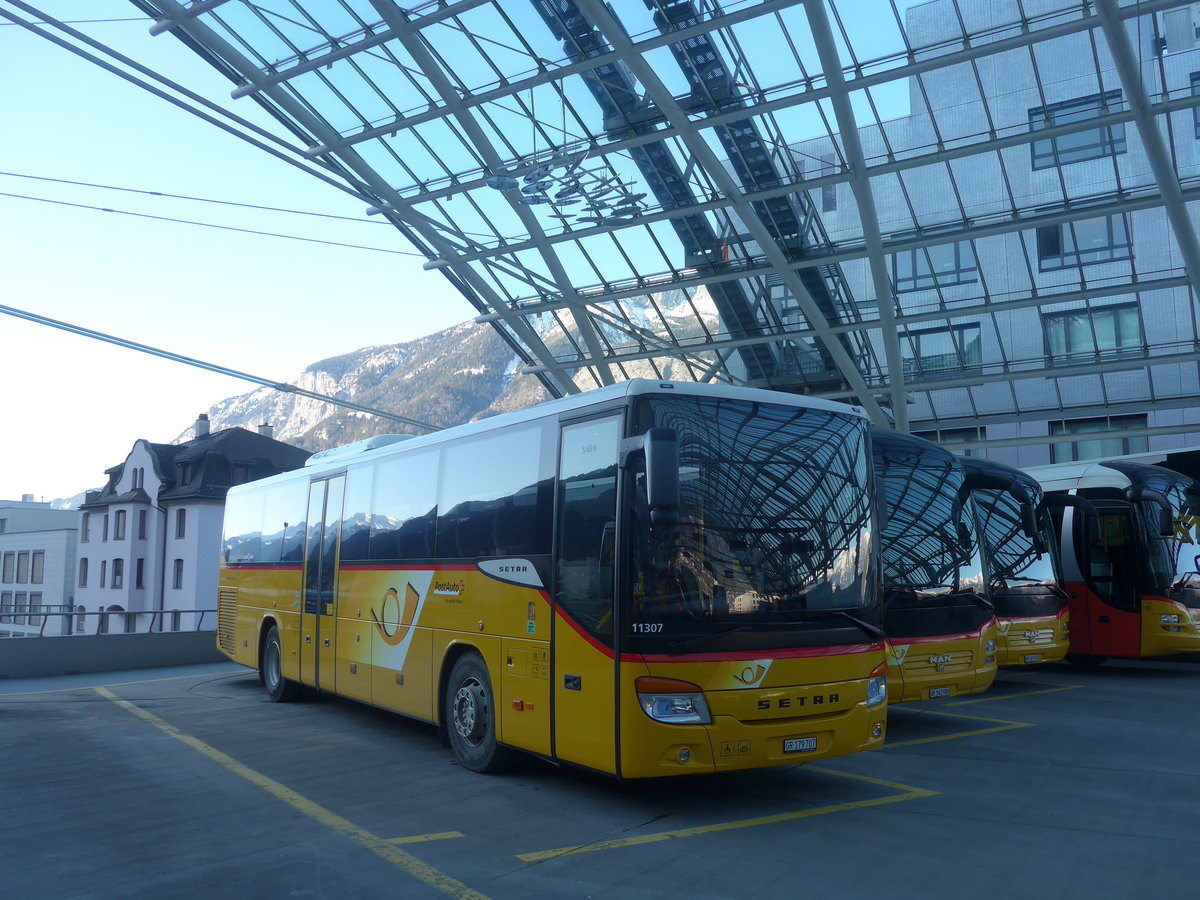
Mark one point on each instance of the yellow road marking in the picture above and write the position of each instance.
(397, 857)
(908, 793)
(423, 838)
(1048, 689)
(1001, 725)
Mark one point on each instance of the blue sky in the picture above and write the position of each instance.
(269, 306)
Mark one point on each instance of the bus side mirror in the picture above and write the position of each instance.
(661, 447)
(1166, 515)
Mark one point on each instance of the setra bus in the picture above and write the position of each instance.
(939, 622)
(647, 579)
(1021, 562)
(1131, 561)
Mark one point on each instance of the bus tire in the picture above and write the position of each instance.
(470, 715)
(270, 670)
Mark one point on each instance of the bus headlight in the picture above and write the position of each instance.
(877, 686)
(1170, 619)
(672, 701)
(991, 645)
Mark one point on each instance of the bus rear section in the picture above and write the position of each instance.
(939, 622)
(1130, 558)
(1021, 564)
(651, 579)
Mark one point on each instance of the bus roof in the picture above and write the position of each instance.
(384, 445)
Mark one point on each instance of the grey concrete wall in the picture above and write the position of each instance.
(34, 657)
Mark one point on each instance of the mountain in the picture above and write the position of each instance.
(460, 374)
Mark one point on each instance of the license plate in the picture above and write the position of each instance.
(799, 745)
(1032, 657)
(934, 693)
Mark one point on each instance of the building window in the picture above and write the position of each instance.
(1112, 332)
(35, 609)
(104, 529)
(1196, 109)
(6, 607)
(83, 572)
(828, 191)
(119, 526)
(81, 620)
(180, 522)
(103, 571)
(1083, 242)
(20, 605)
(3, 525)
(130, 623)
(1108, 442)
(957, 440)
(941, 352)
(118, 573)
(10, 568)
(933, 267)
(22, 567)
(176, 619)
(141, 524)
(139, 572)
(83, 527)
(37, 567)
(177, 580)
(1093, 143)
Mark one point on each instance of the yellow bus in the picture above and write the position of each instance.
(646, 579)
(939, 622)
(1021, 560)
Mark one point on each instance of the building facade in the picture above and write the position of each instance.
(37, 566)
(1056, 307)
(149, 540)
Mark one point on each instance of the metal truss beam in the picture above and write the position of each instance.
(230, 56)
(611, 28)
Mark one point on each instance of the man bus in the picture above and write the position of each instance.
(939, 622)
(1130, 558)
(1021, 563)
(645, 579)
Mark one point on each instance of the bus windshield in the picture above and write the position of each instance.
(1173, 560)
(930, 545)
(773, 539)
(1021, 575)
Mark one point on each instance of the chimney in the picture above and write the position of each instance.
(27, 498)
(202, 425)
(266, 430)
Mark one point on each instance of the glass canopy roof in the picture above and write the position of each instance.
(958, 213)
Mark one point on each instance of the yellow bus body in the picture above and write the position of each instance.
(1169, 627)
(942, 666)
(1032, 640)
(396, 632)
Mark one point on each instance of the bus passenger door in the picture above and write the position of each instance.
(583, 668)
(1114, 612)
(318, 619)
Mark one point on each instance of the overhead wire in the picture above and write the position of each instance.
(283, 387)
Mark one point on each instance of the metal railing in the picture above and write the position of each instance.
(31, 621)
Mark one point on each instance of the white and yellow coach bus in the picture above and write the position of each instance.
(647, 579)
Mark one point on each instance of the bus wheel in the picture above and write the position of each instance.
(270, 671)
(471, 716)
(1085, 661)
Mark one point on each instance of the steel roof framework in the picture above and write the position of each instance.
(624, 189)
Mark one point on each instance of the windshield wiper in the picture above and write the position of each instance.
(870, 629)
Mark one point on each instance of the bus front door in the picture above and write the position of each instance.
(318, 619)
(1114, 622)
